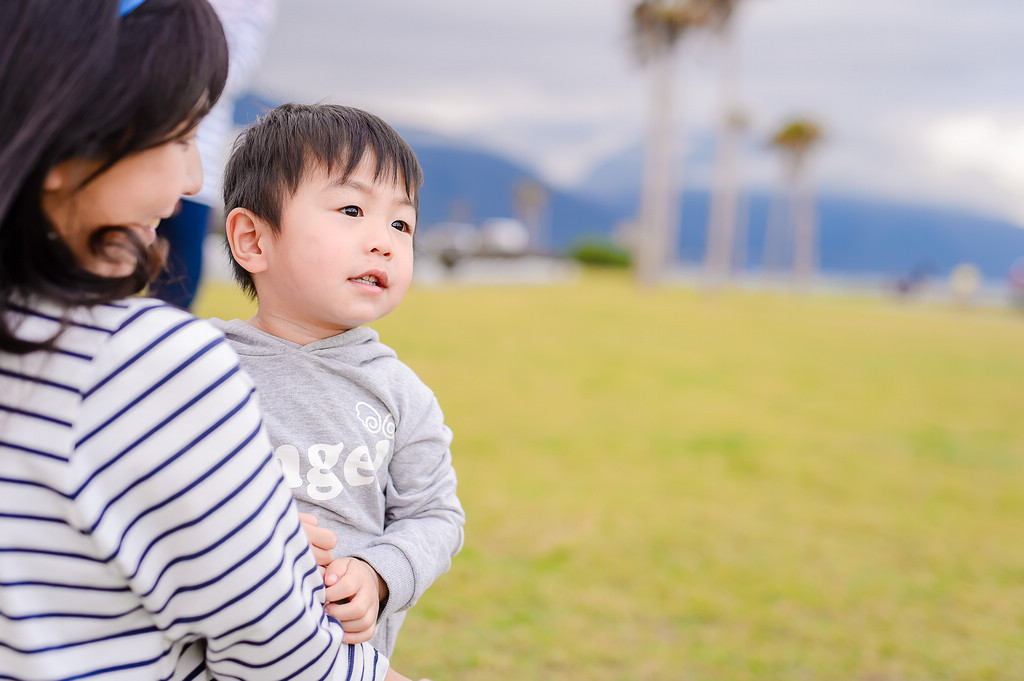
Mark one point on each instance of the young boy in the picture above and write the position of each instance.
(321, 207)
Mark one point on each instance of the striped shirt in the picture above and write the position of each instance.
(145, 532)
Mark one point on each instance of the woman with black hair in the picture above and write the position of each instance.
(144, 529)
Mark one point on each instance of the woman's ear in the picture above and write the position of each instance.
(54, 179)
(58, 177)
(69, 174)
(246, 234)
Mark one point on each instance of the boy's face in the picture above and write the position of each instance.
(343, 256)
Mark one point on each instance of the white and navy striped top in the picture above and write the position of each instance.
(144, 529)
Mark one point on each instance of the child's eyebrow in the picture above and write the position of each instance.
(349, 183)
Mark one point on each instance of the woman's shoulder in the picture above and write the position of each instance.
(142, 331)
(142, 320)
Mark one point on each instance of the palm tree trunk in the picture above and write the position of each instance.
(657, 196)
(775, 251)
(804, 228)
(718, 255)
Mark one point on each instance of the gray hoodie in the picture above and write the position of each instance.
(364, 448)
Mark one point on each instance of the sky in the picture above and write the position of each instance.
(918, 99)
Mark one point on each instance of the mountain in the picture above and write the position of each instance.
(857, 236)
(466, 185)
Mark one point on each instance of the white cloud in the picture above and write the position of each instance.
(979, 142)
(981, 149)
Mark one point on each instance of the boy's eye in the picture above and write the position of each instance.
(402, 226)
(352, 211)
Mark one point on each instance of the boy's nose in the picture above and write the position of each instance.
(380, 240)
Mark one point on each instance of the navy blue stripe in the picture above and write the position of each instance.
(141, 353)
(29, 312)
(76, 644)
(48, 552)
(33, 518)
(73, 354)
(199, 670)
(70, 616)
(74, 323)
(106, 670)
(149, 391)
(68, 585)
(194, 674)
(57, 320)
(38, 381)
(170, 417)
(33, 483)
(31, 450)
(117, 668)
(41, 417)
(128, 321)
(153, 472)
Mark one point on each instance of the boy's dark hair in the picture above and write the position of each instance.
(80, 81)
(272, 157)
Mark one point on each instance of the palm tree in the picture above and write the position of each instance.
(657, 27)
(531, 198)
(795, 139)
(722, 216)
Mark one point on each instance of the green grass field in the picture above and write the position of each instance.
(669, 485)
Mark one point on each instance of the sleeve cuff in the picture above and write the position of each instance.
(394, 567)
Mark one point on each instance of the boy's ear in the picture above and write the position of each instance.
(246, 234)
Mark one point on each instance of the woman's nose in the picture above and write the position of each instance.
(193, 180)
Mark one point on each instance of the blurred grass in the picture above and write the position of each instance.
(670, 485)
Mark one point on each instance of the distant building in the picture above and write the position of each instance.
(496, 251)
(1015, 280)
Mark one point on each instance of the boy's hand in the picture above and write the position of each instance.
(321, 540)
(354, 593)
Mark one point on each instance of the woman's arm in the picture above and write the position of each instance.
(178, 486)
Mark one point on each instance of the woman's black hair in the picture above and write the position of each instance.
(77, 80)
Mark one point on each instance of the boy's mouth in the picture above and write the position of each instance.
(378, 279)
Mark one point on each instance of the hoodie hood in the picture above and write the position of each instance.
(356, 346)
